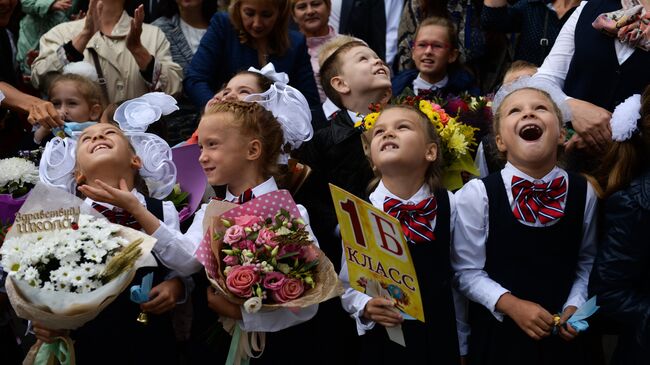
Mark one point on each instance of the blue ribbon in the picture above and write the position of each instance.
(69, 128)
(140, 293)
(233, 352)
(579, 319)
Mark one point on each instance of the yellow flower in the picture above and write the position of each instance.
(357, 124)
(425, 106)
(458, 144)
(370, 119)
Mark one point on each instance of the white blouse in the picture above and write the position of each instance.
(192, 35)
(471, 233)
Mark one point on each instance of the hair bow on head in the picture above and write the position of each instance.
(269, 71)
(625, 117)
(133, 116)
(527, 82)
(291, 109)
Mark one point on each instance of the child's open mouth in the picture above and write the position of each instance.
(389, 146)
(530, 132)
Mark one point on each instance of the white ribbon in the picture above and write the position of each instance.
(624, 119)
(269, 71)
(558, 97)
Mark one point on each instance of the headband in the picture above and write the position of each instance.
(527, 82)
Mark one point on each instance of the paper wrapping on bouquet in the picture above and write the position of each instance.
(9, 206)
(189, 176)
(452, 178)
(376, 250)
(267, 205)
(62, 310)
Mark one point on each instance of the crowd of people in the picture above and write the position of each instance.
(300, 94)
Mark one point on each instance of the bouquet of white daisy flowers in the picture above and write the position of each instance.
(66, 262)
(17, 178)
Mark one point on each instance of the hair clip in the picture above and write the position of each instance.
(625, 117)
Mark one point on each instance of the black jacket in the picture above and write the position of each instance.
(621, 273)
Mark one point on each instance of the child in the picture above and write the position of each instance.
(243, 84)
(76, 98)
(437, 68)
(524, 238)
(619, 278)
(487, 155)
(240, 143)
(404, 153)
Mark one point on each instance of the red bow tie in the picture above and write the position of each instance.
(538, 201)
(118, 216)
(415, 219)
(246, 196)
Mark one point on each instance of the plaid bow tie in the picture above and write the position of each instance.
(415, 218)
(118, 216)
(246, 196)
(538, 201)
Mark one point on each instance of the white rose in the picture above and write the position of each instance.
(253, 305)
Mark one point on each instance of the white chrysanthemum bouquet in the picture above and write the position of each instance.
(66, 262)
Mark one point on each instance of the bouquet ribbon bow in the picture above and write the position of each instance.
(579, 319)
(140, 293)
(59, 350)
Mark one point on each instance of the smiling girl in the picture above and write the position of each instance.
(524, 240)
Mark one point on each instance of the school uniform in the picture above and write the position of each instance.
(437, 340)
(282, 325)
(114, 336)
(543, 257)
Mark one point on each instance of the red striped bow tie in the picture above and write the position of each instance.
(245, 197)
(118, 216)
(415, 218)
(541, 201)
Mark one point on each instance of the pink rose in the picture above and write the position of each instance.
(234, 234)
(291, 289)
(274, 280)
(308, 253)
(240, 280)
(265, 237)
(231, 260)
(247, 220)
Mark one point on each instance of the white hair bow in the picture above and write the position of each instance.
(625, 117)
(269, 71)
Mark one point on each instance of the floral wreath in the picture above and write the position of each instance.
(133, 117)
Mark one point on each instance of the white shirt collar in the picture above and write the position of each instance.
(261, 189)
(355, 117)
(329, 108)
(420, 84)
(378, 196)
(510, 170)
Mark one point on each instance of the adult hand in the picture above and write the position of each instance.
(381, 310)
(591, 122)
(43, 113)
(133, 42)
(91, 25)
(164, 296)
(534, 320)
(567, 332)
(61, 5)
(47, 335)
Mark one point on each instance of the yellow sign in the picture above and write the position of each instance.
(376, 252)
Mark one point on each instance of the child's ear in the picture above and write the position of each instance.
(136, 162)
(431, 154)
(562, 138)
(453, 56)
(340, 85)
(95, 112)
(500, 145)
(254, 150)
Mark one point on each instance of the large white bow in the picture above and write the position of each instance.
(269, 71)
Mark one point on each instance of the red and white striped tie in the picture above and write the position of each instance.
(542, 201)
(414, 218)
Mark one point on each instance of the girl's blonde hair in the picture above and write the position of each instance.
(253, 120)
(90, 90)
(279, 35)
(432, 176)
(625, 160)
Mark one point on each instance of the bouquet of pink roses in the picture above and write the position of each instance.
(267, 260)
